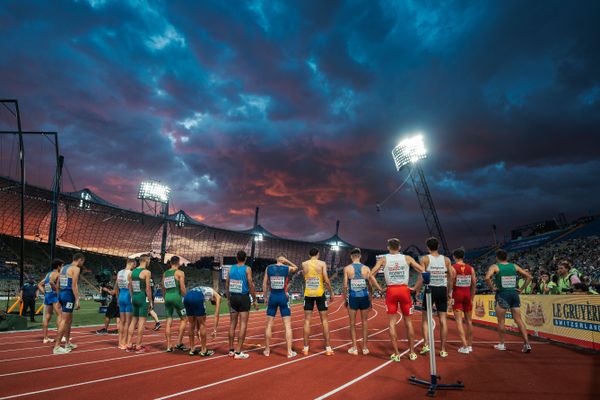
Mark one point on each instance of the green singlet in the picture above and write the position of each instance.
(173, 299)
(506, 278)
(139, 299)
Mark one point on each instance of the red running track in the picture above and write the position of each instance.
(98, 370)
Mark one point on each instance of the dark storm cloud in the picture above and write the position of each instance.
(294, 107)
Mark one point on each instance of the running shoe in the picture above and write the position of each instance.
(140, 350)
(130, 348)
(328, 351)
(424, 349)
(526, 348)
(102, 331)
(181, 347)
(412, 356)
(500, 346)
(194, 352)
(231, 353)
(61, 350)
(443, 354)
(470, 348)
(395, 357)
(353, 351)
(48, 340)
(365, 351)
(463, 350)
(206, 353)
(292, 354)
(71, 346)
(122, 347)
(156, 326)
(241, 356)
(266, 352)
(305, 350)
(63, 340)
(169, 350)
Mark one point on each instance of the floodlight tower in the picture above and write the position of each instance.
(153, 191)
(409, 152)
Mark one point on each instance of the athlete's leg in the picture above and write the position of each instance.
(364, 315)
(106, 323)
(58, 312)
(243, 326)
(154, 316)
(131, 330)
(516, 313)
(458, 316)
(64, 322)
(233, 320)
(47, 316)
(287, 323)
(469, 320)
(192, 332)
(352, 315)
(120, 327)
(182, 324)
(500, 314)
(268, 332)
(168, 330)
(425, 329)
(325, 323)
(410, 332)
(140, 332)
(443, 317)
(393, 335)
(201, 321)
(306, 331)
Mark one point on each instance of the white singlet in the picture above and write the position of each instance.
(437, 269)
(396, 269)
(122, 278)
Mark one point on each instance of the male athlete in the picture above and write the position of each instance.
(49, 286)
(276, 278)
(239, 286)
(142, 300)
(196, 314)
(464, 288)
(315, 276)
(68, 296)
(505, 276)
(174, 290)
(396, 267)
(125, 307)
(358, 283)
(439, 268)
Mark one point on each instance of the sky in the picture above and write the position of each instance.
(294, 106)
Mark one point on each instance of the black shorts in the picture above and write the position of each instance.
(239, 302)
(112, 311)
(321, 301)
(439, 298)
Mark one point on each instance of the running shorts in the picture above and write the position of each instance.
(439, 298)
(239, 302)
(67, 300)
(281, 301)
(359, 303)
(194, 304)
(398, 295)
(321, 302)
(462, 300)
(508, 299)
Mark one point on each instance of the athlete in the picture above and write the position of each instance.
(174, 289)
(315, 276)
(125, 307)
(49, 286)
(152, 313)
(464, 288)
(504, 284)
(396, 267)
(438, 266)
(239, 286)
(68, 296)
(142, 300)
(275, 283)
(196, 314)
(358, 289)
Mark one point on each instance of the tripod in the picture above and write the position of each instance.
(432, 384)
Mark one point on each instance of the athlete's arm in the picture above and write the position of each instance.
(217, 297)
(345, 286)
(416, 266)
(251, 287)
(473, 283)
(40, 286)
(488, 276)
(380, 263)
(117, 286)
(374, 282)
(524, 274)
(326, 280)
(265, 284)
(182, 288)
(75, 284)
(130, 285)
(146, 277)
(293, 267)
(449, 276)
(54, 282)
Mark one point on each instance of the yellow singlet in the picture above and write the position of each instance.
(313, 281)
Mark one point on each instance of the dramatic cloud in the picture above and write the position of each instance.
(295, 106)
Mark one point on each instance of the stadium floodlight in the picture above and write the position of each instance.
(154, 191)
(409, 150)
(258, 237)
(335, 247)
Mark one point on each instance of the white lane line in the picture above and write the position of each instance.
(358, 378)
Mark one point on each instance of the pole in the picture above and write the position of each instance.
(55, 201)
(163, 244)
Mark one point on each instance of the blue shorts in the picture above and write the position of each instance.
(508, 299)
(193, 302)
(359, 303)
(125, 305)
(67, 300)
(50, 298)
(281, 301)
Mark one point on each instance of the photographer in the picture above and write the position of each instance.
(112, 310)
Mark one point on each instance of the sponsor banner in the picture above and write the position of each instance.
(566, 318)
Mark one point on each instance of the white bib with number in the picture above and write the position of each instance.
(47, 288)
(313, 282)
(170, 282)
(396, 269)
(64, 281)
(136, 286)
(463, 280)
(509, 282)
(437, 269)
(277, 282)
(235, 286)
(122, 280)
(358, 284)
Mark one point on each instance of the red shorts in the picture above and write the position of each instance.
(462, 300)
(398, 294)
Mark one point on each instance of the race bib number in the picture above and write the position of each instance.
(225, 272)
(463, 280)
(69, 305)
(135, 285)
(397, 273)
(509, 282)
(64, 281)
(47, 288)
(313, 282)
(235, 286)
(357, 285)
(277, 282)
(122, 282)
(170, 282)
